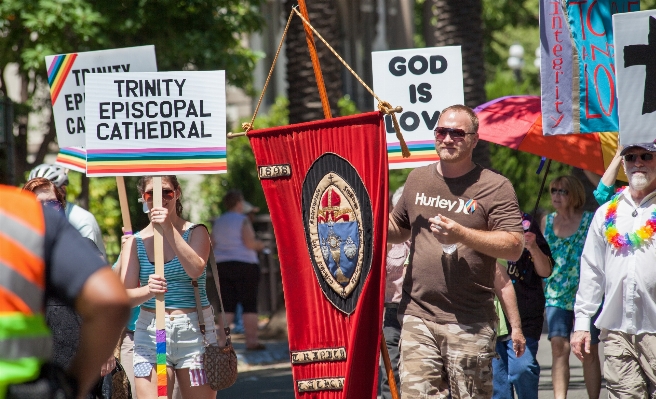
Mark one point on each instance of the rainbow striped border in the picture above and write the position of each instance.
(74, 158)
(421, 151)
(161, 362)
(58, 72)
(125, 162)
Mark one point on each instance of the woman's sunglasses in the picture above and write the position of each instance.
(645, 156)
(456, 134)
(167, 195)
(559, 191)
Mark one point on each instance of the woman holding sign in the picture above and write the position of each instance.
(185, 254)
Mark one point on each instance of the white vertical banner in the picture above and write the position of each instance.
(635, 54)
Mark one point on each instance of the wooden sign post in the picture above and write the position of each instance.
(160, 309)
(123, 201)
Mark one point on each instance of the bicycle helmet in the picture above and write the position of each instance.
(55, 173)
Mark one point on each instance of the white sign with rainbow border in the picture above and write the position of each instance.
(68, 74)
(423, 81)
(156, 123)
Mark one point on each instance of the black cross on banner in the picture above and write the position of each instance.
(645, 54)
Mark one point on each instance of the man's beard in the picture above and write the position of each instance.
(639, 181)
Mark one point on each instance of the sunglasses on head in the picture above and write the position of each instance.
(559, 191)
(54, 204)
(167, 195)
(456, 134)
(645, 156)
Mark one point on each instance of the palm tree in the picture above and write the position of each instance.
(304, 101)
(459, 23)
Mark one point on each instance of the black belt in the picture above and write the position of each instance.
(392, 305)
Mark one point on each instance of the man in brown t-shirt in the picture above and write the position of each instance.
(448, 338)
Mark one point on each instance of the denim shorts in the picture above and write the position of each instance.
(184, 343)
(561, 323)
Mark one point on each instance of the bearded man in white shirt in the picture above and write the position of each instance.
(619, 263)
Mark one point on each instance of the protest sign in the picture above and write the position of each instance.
(68, 73)
(635, 49)
(154, 123)
(423, 81)
(74, 158)
(578, 65)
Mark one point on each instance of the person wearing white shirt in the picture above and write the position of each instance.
(618, 262)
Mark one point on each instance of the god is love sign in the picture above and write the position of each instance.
(424, 82)
(156, 123)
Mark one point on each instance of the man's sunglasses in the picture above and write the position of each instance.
(167, 195)
(53, 204)
(456, 134)
(559, 191)
(645, 156)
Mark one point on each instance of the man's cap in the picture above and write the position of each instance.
(651, 146)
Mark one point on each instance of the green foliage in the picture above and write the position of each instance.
(198, 34)
(504, 83)
(33, 29)
(397, 178)
(347, 106)
(506, 22)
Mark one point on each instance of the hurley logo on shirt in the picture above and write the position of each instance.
(463, 206)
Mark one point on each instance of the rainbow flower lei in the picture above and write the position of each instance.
(628, 240)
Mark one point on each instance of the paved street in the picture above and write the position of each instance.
(260, 379)
(576, 384)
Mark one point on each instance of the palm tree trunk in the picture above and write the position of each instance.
(304, 101)
(459, 23)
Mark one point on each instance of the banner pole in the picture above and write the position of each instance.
(391, 381)
(315, 62)
(160, 310)
(125, 210)
(537, 202)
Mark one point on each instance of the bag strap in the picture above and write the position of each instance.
(199, 308)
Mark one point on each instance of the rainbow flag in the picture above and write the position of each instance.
(58, 72)
(423, 152)
(74, 158)
(137, 162)
(161, 362)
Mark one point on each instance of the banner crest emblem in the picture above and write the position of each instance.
(336, 215)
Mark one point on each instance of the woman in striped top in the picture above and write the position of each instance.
(185, 254)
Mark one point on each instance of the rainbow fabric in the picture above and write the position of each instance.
(161, 362)
(74, 158)
(156, 161)
(57, 73)
(422, 151)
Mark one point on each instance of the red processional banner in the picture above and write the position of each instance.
(326, 184)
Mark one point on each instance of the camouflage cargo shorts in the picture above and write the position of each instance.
(440, 358)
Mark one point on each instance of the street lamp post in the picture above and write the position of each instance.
(516, 60)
